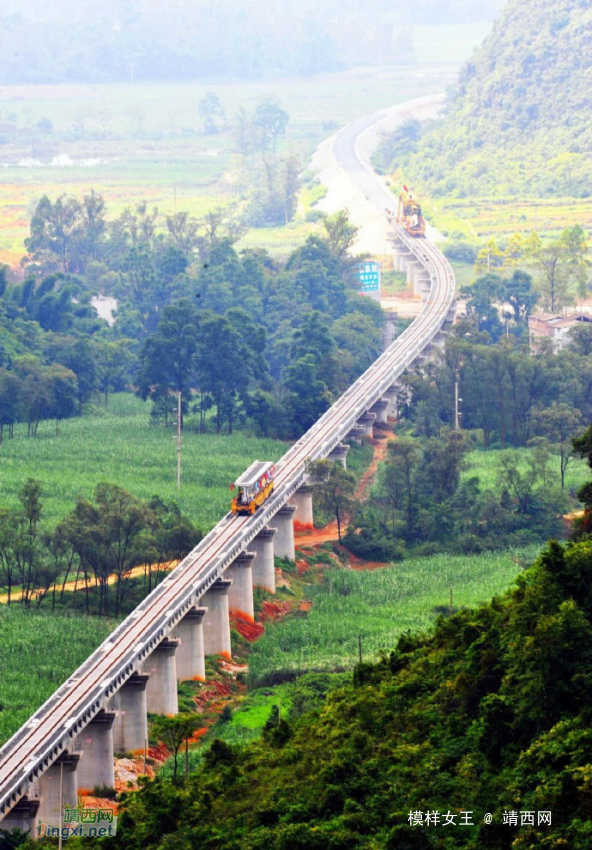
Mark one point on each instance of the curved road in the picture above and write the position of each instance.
(54, 726)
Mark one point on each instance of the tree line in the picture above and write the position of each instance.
(259, 342)
(95, 548)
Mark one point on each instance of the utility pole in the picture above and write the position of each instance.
(456, 407)
(360, 647)
(179, 440)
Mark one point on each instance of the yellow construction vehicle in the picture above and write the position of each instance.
(409, 214)
(254, 486)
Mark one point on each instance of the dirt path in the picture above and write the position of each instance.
(328, 534)
(16, 595)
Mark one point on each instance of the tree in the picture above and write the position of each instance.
(341, 236)
(269, 123)
(333, 488)
(517, 291)
(489, 258)
(559, 424)
(168, 361)
(173, 731)
(308, 396)
(562, 266)
(111, 536)
(404, 456)
(582, 446)
(211, 112)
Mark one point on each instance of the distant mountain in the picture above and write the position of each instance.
(521, 118)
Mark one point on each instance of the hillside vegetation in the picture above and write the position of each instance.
(488, 713)
(519, 119)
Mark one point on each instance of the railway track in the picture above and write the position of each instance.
(57, 723)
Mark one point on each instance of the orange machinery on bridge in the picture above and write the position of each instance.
(254, 486)
(409, 214)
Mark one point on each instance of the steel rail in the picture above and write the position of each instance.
(61, 718)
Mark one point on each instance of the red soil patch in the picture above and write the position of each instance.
(300, 527)
(302, 566)
(198, 735)
(305, 605)
(274, 610)
(247, 628)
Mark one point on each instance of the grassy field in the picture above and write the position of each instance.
(378, 606)
(484, 464)
(478, 219)
(37, 652)
(123, 448)
(146, 142)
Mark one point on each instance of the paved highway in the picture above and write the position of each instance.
(54, 726)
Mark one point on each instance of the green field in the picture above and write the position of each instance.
(122, 447)
(378, 606)
(38, 651)
(483, 465)
(146, 142)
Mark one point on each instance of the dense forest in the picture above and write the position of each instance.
(475, 734)
(245, 339)
(120, 40)
(519, 119)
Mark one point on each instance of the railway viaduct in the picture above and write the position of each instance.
(69, 743)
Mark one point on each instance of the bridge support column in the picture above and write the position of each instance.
(263, 563)
(425, 286)
(356, 434)
(302, 501)
(240, 595)
(367, 421)
(339, 454)
(22, 816)
(417, 280)
(389, 329)
(283, 544)
(380, 409)
(391, 396)
(217, 621)
(412, 267)
(189, 659)
(62, 772)
(161, 690)
(95, 745)
(130, 729)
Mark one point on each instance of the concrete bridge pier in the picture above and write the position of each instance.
(189, 659)
(161, 690)
(380, 408)
(302, 501)
(367, 421)
(339, 454)
(391, 396)
(412, 268)
(217, 621)
(263, 563)
(62, 772)
(425, 284)
(240, 595)
(95, 745)
(130, 729)
(283, 544)
(23, 816)
(355, 435)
